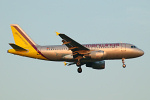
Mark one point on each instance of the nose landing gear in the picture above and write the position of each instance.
(124, 65)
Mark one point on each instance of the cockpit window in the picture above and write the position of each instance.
(133, 46)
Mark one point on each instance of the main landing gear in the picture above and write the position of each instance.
(79, 65)
(79, 70)
(124, 65)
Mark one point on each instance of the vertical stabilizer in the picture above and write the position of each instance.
(20, 37)
(24, 45)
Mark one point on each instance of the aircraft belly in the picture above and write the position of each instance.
(119, 54)
(115, 54)
(56, 55)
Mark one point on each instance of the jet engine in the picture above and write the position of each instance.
(97, 54)
(96, 65)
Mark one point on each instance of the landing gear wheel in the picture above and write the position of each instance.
(79, 70)
(124, 65)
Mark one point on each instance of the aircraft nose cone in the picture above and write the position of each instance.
(141, 52)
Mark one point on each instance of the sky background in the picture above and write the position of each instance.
(95, 21)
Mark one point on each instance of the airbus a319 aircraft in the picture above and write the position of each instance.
(72, 52)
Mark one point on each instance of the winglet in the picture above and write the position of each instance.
(65, 63)
(57, 33)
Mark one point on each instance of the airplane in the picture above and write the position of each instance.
(72, 52)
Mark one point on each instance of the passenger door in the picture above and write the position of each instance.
(123, 46)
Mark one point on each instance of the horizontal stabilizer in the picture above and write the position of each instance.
(16, 47)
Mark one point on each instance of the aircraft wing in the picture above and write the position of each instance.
(74, 46)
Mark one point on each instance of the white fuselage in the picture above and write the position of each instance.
(111, 51)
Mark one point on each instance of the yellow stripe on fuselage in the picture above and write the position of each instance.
(31, 53)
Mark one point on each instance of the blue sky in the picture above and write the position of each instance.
(95, 21)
